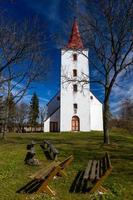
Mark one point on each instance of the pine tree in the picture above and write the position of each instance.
(34, 111)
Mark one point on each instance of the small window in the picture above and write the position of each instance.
(91, 97)
(75, 105)
(74, 72)
(74, 57)
(75, 88)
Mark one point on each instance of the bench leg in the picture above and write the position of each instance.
(49, 191)
(98, 187)
(55, 157)
(62, 173)
(95, 187)
(102, 189)
(46, 189)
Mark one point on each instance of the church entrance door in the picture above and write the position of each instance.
(75, 123)
(53, 126)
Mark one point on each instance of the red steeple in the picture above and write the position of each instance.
(75, 41)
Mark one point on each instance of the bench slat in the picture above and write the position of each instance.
(97, 170)
(66, 162)
(46, 142)
(88, 168)
(44, 171)
(93, 170)
(95, 173)
(53, 152)
(53, 149)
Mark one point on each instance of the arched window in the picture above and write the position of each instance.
(75, 123)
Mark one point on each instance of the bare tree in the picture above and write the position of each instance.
(108, 31)
(22, 110)
(22, 58)
(126, 115)
(112, 43)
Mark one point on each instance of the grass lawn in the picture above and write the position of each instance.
(84, 146)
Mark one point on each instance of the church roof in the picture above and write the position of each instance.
(75, 41)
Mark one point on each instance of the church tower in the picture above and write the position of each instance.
(74, 93)
(74, 107)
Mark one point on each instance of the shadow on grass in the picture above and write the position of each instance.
(39, 137)
(46, 153)
(31, 186)
(77, 184)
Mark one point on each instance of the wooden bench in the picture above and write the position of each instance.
(63, 165)
(47, 146)
(42, 178)
(95, 172)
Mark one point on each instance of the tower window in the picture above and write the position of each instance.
(75, 88)
(91, 97)
(75, 105)
(74, 57)
(74, 72)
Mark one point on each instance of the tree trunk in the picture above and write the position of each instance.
(106, 122)
(3, 133)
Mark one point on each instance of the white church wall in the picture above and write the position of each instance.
(68, 97)
(55, 117)
(47, 125)
(96, 113)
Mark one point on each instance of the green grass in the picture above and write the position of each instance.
(84, 146)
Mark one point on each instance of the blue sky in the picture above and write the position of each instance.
(55, 14)
(50, 13)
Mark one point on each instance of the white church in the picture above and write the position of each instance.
(74, 107)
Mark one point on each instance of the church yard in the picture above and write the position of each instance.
(14, 174)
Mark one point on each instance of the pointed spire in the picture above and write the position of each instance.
(75, 41)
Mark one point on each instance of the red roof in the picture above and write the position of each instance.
(75, 41)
